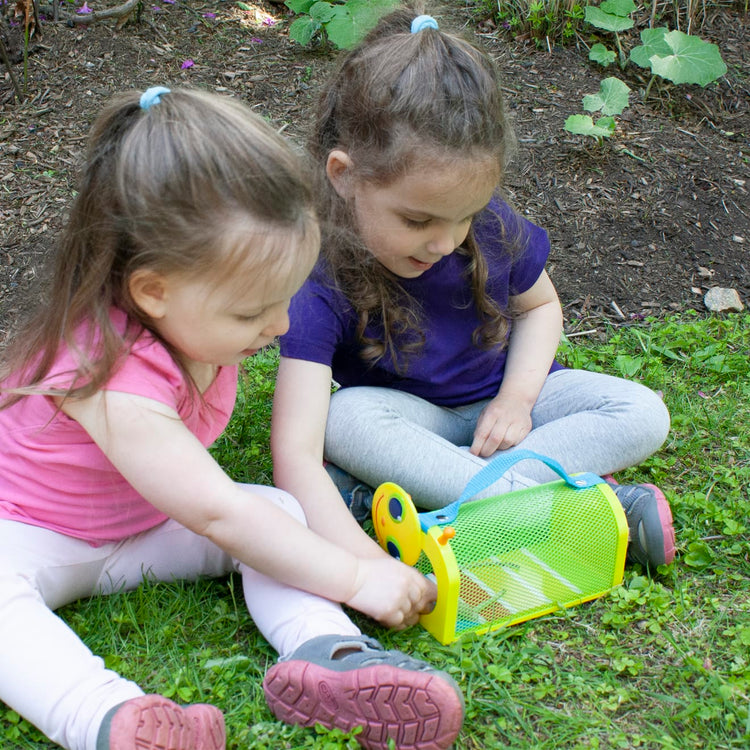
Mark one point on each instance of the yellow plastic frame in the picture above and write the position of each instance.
(407, 536)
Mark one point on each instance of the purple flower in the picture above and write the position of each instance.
(268, 21)
(187, 64)
(84, 9)
(256, 40)
(169, 2)
(209, 15)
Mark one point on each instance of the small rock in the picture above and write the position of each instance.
(719, 299)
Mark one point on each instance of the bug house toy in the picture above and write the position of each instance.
(501, 560)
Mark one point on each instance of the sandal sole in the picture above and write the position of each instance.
(668, 542)
(418, 710)
(153, 722)
(665, 518)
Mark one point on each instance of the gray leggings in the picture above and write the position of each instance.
(585, 420)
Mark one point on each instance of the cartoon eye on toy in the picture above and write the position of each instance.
(396, 523)
(396, 509)
(393, 549)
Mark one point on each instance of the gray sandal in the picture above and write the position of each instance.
(350, 681)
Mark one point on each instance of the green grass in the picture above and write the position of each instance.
(661, 662)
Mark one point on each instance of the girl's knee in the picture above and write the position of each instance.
(648, 416)
(346, 402)
(651, 405)
(280, 498)
(661, 423)
(353, 412)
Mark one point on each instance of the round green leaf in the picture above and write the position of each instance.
(322, 12)
(618, 7)
(354, 19)
(584, 125)
(341, 30)
(692, 60)
(597, 17)
(302, 30)
(699, 555)
(611, 99)
(299, 6)
(608, 123)
(653, 44)
(600, 54)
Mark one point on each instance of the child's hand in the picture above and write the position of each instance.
(503, 423)
(392, 593)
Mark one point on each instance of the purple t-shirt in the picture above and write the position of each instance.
(449, 369)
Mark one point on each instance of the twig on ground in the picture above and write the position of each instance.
(119, 12)
(616, 308)
(582, 333)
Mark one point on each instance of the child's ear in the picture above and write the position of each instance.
(339, 170)
(148, 290)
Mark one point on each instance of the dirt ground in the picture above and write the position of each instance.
(642, 225)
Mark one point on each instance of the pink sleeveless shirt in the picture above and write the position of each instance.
(53, 475)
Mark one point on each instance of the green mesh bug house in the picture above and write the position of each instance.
(501, 560)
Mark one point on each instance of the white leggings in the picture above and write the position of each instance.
(52, 679)
(585, 420)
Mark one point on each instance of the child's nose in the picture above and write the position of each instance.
(443, 243)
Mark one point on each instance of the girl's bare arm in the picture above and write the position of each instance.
(165, 463)
(300, 412)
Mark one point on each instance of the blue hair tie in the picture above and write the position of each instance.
(423, 22)
(153, 96)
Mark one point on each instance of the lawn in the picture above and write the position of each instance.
(663, 661)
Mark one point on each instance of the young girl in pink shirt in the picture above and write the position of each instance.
(192, 229)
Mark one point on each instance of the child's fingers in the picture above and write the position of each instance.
(485, 446)
(499, 431)
(514, 434)
(392, 593)
(428, 606)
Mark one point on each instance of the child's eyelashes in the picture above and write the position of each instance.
(415, 223)
(423, 223)
(247, 318)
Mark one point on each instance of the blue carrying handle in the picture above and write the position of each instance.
(493, 471)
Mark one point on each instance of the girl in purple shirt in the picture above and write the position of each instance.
(192, 229)
(431, 309)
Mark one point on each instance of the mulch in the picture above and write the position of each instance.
(642, 224)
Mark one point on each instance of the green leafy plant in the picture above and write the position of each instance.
(611, 99)
(541, 18)
(342, 22)
(678, 57)
(614, 16)
(672, 55)
(604, 127)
